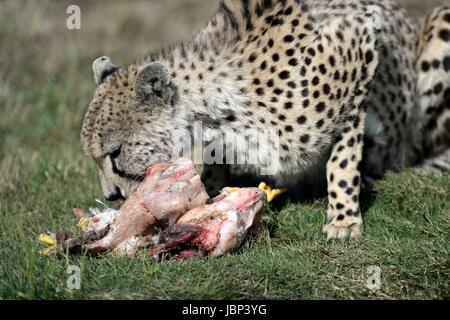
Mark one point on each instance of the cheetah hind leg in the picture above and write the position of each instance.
(433, 86)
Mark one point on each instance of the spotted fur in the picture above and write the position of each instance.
(326, 76)
(433, 67)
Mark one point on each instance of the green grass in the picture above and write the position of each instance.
(406, 236)
(44, 174)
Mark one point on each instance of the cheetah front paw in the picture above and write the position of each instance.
(335, 230)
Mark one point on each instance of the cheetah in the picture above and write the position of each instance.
(352, 87)
(433, 88)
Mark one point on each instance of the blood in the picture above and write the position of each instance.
(185, 254)
(209, 234)
(185, 241)
(174, 237)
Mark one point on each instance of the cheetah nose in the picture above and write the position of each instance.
(116, 195)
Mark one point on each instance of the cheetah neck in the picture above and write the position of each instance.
(207, 88)
(211, 76)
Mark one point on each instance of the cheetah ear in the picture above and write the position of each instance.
(153, 84)
(102, 68)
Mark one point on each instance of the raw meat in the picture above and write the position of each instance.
(168, 190)
(213, 229)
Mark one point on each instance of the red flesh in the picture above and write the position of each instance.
(168, 191)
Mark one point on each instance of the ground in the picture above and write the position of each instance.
(45, 89)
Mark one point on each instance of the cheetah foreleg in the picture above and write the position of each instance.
(344, 179)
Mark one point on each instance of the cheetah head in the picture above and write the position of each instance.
(125, 128)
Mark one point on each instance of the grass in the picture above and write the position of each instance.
(44, 174)
(407, 237)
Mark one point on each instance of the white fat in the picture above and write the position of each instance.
(233, 230)
(128, 247)
(229, 234)
(105, 218)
